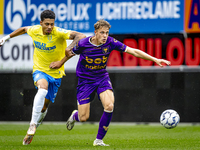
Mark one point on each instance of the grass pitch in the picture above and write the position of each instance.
(120, 137)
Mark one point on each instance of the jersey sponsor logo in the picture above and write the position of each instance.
(42, 47)
(97, 63)
(192, 15)
(96, 60)
(95, 67)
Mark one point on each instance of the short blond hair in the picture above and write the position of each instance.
(101, 23)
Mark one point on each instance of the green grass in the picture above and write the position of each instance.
(120, 137)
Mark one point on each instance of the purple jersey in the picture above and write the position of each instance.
(93, 59)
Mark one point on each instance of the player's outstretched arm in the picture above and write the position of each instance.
(17, 32)
(75, 36)
(143, 55)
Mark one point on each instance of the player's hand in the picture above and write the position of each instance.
(55, 65)
(69, 53)
(160, 61)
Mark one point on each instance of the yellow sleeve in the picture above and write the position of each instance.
(33, 29)
(30, 30)
(65, 34)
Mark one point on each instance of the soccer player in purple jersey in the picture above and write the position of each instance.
(93, 77)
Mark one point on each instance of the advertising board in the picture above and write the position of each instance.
(153, 16)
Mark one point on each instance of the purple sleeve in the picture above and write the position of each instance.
(77, 48)
(117, 45)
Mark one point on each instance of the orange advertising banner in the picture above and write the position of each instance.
(192, 16)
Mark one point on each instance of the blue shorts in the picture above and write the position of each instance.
(86, 89)
(53, 84)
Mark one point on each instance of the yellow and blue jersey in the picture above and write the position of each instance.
(48, 48)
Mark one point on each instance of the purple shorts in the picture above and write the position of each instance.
(86, 89)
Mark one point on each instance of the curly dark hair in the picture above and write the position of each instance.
(101, 23)
(47, 14)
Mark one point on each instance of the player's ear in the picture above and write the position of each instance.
(40, 22)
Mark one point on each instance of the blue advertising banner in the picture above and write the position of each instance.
(130, 16)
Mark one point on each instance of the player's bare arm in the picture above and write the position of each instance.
(143, 55)
(75, 36)
(17, 32)
(58, 64)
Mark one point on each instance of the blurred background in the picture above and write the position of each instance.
(166, 29)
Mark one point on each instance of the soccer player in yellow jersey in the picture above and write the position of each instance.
(50, 45)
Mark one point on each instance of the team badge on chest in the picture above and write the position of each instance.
(105, 50)
(49, 37)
